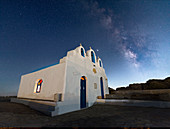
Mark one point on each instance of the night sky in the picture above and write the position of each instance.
(132, 37)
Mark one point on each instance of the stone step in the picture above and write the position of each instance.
(41, 106)
(22, 101)
(44, 107)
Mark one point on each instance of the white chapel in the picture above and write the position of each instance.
(72, 84)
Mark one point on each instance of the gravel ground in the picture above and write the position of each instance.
(99, 115)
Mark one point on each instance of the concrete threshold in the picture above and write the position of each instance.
(129, 102)
(44, 102)
(25, 101)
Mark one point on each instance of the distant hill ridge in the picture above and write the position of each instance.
(149, 85)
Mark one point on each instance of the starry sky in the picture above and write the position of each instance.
(132, 37)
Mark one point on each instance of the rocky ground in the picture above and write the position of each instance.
(154, 95)
(18, 115)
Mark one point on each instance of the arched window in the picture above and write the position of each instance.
(38, 85)
(100, 63)
(92, 57)
(82, 52)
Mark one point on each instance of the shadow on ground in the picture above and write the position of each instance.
(99, 115)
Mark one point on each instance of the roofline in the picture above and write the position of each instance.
(42, 68)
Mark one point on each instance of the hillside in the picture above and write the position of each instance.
(149, 85)
(154, 89)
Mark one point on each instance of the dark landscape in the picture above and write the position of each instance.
(153, 89)
(6, 98)
(149, 85)
(99, 115)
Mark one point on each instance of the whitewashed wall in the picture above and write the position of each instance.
(78, 66)
(53, 82)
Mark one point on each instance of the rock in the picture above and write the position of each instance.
(149, 85)
(111, 91)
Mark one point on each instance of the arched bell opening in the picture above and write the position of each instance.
(93, 57)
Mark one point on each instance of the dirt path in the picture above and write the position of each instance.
(18, 115)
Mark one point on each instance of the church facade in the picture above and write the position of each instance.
(73, 84)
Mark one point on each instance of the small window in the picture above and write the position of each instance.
(95, 85)
(82, 52)
(92, 57)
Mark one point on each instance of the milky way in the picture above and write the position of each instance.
(131, 37)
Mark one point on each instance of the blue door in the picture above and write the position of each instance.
(83, 92)
(101, 84)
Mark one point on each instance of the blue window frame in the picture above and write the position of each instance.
(82, 52)
(92, 57)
